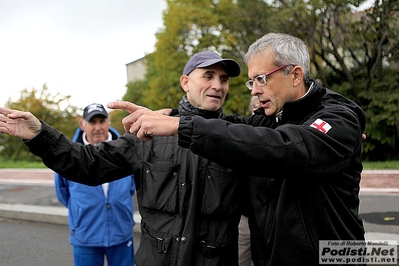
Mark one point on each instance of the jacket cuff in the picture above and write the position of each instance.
(185, 131)
(40, 144)
(174, 112)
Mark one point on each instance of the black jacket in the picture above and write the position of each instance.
(188, 204)
(305, 181)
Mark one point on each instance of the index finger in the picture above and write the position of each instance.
(124, 105)
(5, 111)
(14, 114)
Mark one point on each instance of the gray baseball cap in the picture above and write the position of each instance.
(206, 59)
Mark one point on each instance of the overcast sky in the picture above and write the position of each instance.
(77, 47)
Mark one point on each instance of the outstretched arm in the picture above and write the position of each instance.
(145, 123)
(19, 124)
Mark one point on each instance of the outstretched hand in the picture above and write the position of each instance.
(19, 124)
(145, 123)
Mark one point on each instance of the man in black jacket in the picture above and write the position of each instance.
(188, 204)
(305, 158)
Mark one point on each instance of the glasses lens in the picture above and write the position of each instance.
(261, 80)
(249, 84)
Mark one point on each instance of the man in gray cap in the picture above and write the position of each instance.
(189, 205)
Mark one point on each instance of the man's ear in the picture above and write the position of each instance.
(82, 127)
(298, 75)
(184, 83)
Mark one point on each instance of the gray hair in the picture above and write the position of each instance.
(287, 49)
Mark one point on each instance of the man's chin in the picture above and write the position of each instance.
(97, 141)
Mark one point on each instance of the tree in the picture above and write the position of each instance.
(355, 53)
(352, 52)
(204, 29)
(134, 93)
(53, 109)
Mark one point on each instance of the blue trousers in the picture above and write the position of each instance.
(119, 255)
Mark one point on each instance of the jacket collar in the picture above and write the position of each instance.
(296, 110)
(186, 108)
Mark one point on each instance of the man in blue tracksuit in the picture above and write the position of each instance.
(101, 217)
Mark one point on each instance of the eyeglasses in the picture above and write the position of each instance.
(262, 78)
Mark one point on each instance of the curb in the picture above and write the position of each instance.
(46, 214)
(59, 215)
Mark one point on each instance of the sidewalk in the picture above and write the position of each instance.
(380, 181)
(28, 194)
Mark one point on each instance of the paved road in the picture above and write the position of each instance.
(31, 243)
(380, 214)
(29, 195)
(26, 243)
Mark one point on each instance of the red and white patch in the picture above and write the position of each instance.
(321, 125)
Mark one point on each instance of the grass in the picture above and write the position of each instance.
(394, 165)
(20, 164)
(24, 164)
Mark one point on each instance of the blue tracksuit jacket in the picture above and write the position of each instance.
(96, 220)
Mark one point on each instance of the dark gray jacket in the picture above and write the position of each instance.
(306, 171)
(188, 204)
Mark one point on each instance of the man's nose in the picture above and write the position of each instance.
(97, 126)
(256, 90)
(217, 84)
